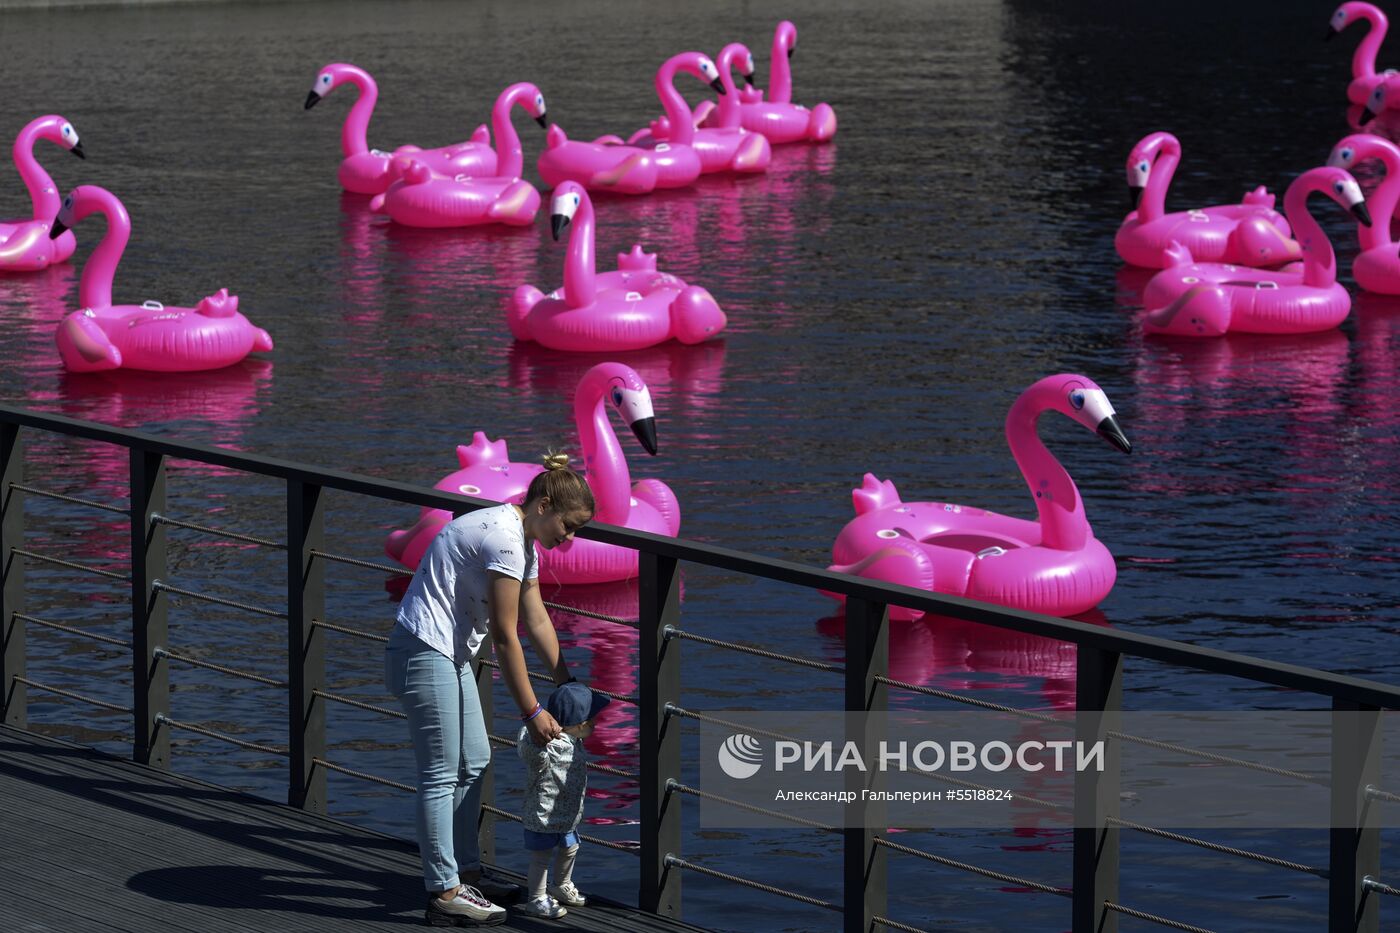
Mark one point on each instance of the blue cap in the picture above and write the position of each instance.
(572, 703)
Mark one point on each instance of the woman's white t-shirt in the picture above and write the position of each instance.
(446, 605)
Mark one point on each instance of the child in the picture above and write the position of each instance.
(556, 777)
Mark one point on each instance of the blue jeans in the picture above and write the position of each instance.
(451, 750)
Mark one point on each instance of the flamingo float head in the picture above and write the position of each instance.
(1341, 187)
(68, 138)
(786, 36)
(1140, 160)
(625, 391)
(1080, 398)
(331, 77)
(746, 66)
(65, 218)
(1375, 104)
(537, 110)
(567, 198)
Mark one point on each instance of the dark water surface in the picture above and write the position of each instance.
(889, 295)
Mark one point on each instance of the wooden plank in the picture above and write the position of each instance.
(147, 850)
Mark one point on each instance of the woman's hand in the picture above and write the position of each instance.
(543, 728)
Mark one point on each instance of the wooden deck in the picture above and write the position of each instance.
(90, 842)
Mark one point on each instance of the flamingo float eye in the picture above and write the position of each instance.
(1339, 188)
(1076, 399)
(1143, 166)
(617, 396)
(68, 202)
(1339, 17)
(67, 129)
(748, 64)
(1348, 155)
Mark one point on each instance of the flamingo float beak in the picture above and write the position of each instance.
(645, 429)
(1367, 115)
(312, 98)
(1134, 193)
(543, 121)
(1331, 34)
(77, 150)
(748, 79)
(1108, 429)
(56, 230)
(1362, 215)
(718, 85)
(791, 51)
(558, 223)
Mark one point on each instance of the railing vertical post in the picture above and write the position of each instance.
(1355, 833)
(865, 869)
(14, 696)
(150, 680)
(1099, 702)
(486, 822)
(306, 646)
(659, 676)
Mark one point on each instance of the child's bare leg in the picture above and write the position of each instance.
(539, 872)
(564, 864)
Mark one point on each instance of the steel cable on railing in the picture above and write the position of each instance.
(159, 519)
(677, 862)
(222, 737)
(158, 586)
(124, 578)
(211, 666)
(1375, 793)
(1380, 887)
(105, 639)
(366, 564)
(71, 695)
(362, 775)
(619, 846)
(587, 614)
(671, 631)
(970, 701)
(974, 869)
(896, 925)
(370, 707)
(1141, 915)
(674, 710)
(370, 636)
(1217, 847)
(73, 499)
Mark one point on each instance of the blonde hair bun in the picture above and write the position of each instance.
(555, 460)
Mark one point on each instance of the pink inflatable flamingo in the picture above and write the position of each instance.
(779, 118)
(1381, 114)
(1363, 61)
(1377, 267)
(25, 245)
(672, 139)
(1192, 299)
(634, 307)
(365, 170)
(1053, 565)
(648, 505)
(420, 198)
(1250, 233)
(150, 335)
(727, 146)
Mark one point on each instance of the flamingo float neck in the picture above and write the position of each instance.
(1163, 150)
(510, 154)
(603, 458)
(580, 269)
(354, 134)
(1319, 260)
(1063, 524)
(677, 110)
(42, 194)
(1363, 60)
(780, 71)
(95, 287)
(729, 109)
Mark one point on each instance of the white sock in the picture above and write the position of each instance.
(539, 872)
(564, 864)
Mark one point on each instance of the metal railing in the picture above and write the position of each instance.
(1355, 884)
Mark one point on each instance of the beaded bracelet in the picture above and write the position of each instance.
(533, 713)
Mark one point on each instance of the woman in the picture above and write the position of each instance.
(480, 575)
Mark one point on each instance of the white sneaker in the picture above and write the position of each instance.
(568, 894)
(546, 907)
(467, 908)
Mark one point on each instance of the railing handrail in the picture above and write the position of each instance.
(1147, 647)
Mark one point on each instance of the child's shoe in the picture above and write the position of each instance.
(566, 893)
(545, 907)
